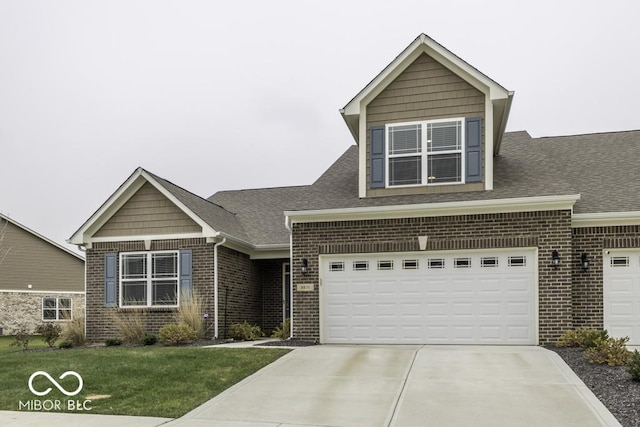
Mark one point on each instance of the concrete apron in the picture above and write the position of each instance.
(398, 386)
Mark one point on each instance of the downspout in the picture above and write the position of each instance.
(215, 286)
(288, 226)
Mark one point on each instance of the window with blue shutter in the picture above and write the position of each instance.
(110, 279)
(377, 168)
(473, 146)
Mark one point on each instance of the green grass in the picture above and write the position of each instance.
(143, 381)
(35, 342)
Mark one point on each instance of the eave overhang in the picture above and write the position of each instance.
(524, 204)
(605, 219)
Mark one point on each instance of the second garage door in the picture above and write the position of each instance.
(430, 298)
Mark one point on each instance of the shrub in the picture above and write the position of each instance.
(112, 342)
(245, 331)
(612, 351)
(581, 337)
(149, 339)
(283, 331)
(50, 332)
(191, 312)
(130, 325)
(65, 344)
(73, 331)
(176, 334)
(21, 336)
(634, 366)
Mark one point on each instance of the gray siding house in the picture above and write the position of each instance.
(436, 227)
(40, 280)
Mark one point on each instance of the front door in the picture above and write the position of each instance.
(286, 290)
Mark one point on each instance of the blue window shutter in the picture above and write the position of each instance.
(185, 271)
(110, 279)
(473, 146)
(377, 157)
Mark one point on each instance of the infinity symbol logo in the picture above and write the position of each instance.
(55, 383)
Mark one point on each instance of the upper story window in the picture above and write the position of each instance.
(149, 279)
(423, 153)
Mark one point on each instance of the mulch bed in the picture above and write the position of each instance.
(611, 384)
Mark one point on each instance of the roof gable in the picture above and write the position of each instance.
(211, 219)
(499, 97)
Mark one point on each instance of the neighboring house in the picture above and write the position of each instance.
(437, 227)
(40, 280)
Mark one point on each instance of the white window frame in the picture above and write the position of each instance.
(57, 309)
(148, 279)
(423, 152)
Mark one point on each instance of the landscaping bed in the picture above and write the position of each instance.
(611, 384)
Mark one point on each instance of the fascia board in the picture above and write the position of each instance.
(108, 208)
(525, 204)
(604, 219)
(207, 230)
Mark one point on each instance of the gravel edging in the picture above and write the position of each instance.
(611, 384)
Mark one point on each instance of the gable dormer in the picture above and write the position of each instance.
(428, 123)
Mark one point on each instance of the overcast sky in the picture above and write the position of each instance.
(246, 94)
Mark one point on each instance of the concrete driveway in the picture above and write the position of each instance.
(397, 386)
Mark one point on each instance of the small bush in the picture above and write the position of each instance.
(66, 344)
(581, 337)
(149, 339)
(245, 331)
(130, 325)
(283, 331)
(634, 366)
(113, 342)
(612, 351)
(73, 331)
(590, 337)
(50, 332)
(21, 337)
(176, 334)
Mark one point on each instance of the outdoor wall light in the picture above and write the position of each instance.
(584, 261)
(305, 266)
(555, 259)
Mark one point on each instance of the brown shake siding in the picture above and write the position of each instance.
(148, 212)
(588, 285)
(547, 231)
(425, 90)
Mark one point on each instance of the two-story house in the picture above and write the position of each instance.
(436, 227)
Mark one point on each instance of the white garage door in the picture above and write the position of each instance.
(430, 298)
(621, 271)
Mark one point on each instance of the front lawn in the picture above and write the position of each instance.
(35, 342)
(144, 381)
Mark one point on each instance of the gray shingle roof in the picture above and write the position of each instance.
(600, 167)
(215, 216)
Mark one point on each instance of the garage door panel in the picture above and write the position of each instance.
(422, 304)
(621, 292)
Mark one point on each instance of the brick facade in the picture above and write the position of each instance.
(548, 231)
(588, 284)
(245, 288)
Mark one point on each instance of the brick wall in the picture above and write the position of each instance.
(248, 290)
(588, 285)
(100, 324)
(547, 231)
